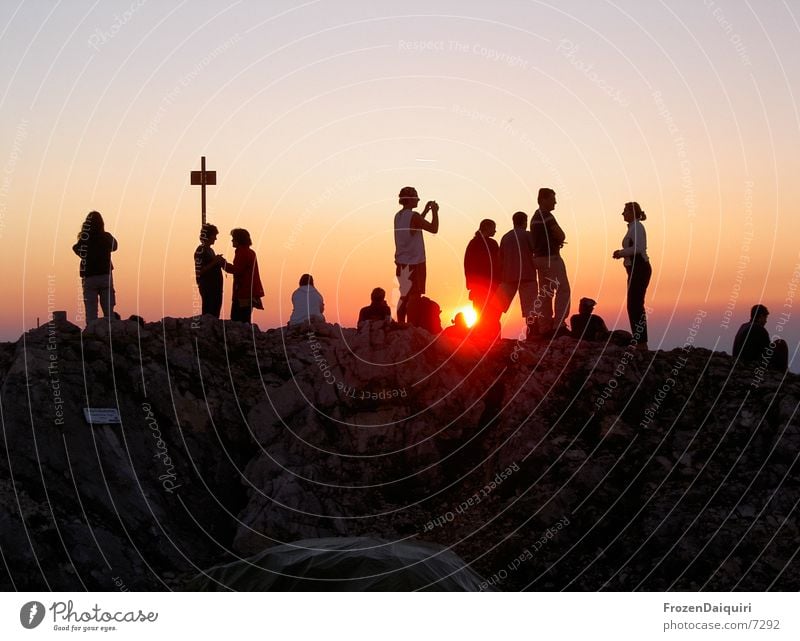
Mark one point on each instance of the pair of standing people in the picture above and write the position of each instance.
(247, 287)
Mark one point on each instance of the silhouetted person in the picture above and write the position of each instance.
(410, 246)
(94, 247)
(459, 329)
(518, 272)
(377, 310)
(208, 271)
(637, 266)
(425, 313)
(247, 288)
(587, 326)
(482, 266)
(307, 303)
(548, 239)
(752, 342)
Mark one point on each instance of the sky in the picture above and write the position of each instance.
(314, 115)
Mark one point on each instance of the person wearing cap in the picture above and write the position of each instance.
(587, 326)
(752, 342)
(409, 256)
(637, 266)
(548, 239)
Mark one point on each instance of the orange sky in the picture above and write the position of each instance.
(314, 120)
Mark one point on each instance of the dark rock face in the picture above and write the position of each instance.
(545, 466)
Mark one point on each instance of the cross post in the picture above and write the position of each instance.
(203, 178)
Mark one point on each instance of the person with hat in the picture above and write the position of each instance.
(637, 266)
(409, 256)
(587, 326)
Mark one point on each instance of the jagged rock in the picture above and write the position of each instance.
(566, 464)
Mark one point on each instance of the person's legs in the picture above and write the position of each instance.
(107, 295)
(481, 298)
(543, 306)
(638, 279)
(212, 300)
(90, 294)
(417, 275)
(241, 313)
(559, 273)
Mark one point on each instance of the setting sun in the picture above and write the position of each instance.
(470, 316)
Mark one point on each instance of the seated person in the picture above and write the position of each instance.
(587, 326)
(752, 342)
(459, 329)
(307, 303)
(377, 310)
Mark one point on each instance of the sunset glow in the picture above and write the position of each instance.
(470, 316)
(314, 118)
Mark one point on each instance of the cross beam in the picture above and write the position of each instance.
(203, 178)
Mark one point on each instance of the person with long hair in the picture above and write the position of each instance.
(247, 288)
(94, 248)
(637, 265)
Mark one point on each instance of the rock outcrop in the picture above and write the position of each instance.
(545, 466)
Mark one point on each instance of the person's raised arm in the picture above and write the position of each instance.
(432, 226)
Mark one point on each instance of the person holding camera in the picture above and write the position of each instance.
(409, 255)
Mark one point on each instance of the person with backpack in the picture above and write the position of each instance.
(94, 248)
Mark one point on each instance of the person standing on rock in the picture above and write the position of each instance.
(409, 255)
(518, 272)
(482, 266)
(548, 239)
(247, 288)
(637, 266)
(94, 247)
(307, 303)
(208, 271)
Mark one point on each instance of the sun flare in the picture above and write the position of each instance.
(470, 315)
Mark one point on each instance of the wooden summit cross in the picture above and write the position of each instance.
(203, 178)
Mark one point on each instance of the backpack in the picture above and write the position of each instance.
(425, 313)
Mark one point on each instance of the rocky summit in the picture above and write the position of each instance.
(544, 466)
